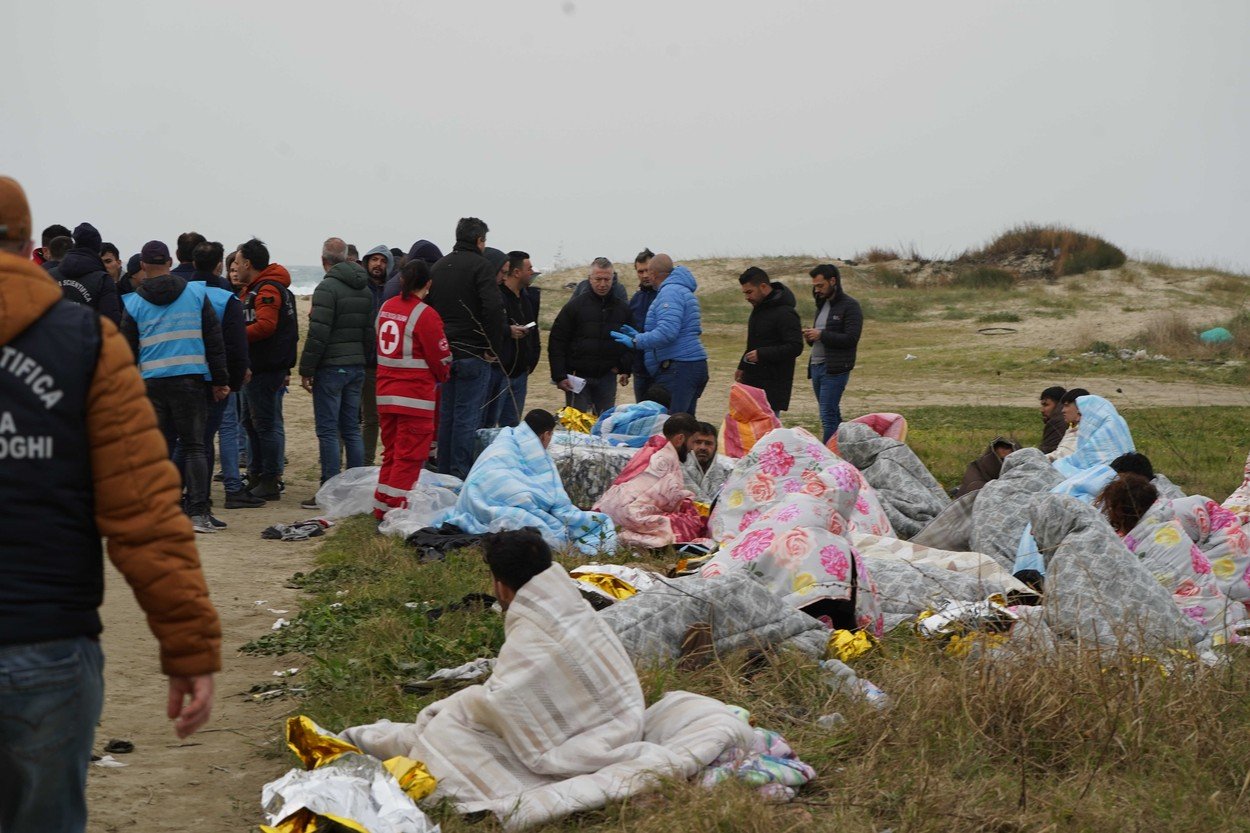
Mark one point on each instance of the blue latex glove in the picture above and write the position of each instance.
(629, 331)
(621, 338)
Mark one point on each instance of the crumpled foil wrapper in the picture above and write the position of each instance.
(988, 616)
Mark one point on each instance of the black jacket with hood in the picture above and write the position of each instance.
(519, 356)
(581, 342)
(775, 333)
(163, 291)
(465, 294)
(84, 280)
(842, 330)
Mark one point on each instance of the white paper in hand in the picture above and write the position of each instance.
(577, 382)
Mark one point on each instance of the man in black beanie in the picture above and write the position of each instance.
(1053, 423)
(82, 275)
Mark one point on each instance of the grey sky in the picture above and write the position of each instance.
(587, 128)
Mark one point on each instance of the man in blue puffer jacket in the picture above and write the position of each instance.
(669, 341)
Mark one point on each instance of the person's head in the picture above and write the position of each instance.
(520, 269)
(333, 252)
(498, 259)
(601, 276)
(659, 395)
(1003, 446)
(543, 424)
(826, 280)
(755, 285)
(1126, 500)
(252, 258)
(134, 268)
(514, 558)
(414, 278)
(1050, 399)
(425, 250)
(1133, 463)
(1071, 413)
(49, 234)
(642, 267)
(58, 246)
(86, 236)
(702, 443)
(353, 254)
(399, 258)
(378, 266)
(677, 430)
(112, 260)
(15, 223)
(232, 269)
(208, 257)
(659, 268)
(155, 259)
(187, 241)
(471, 231)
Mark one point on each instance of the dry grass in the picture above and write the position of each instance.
(877, 255)
(1074, 252)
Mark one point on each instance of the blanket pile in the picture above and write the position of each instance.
(561, 725)
(631, 425)
(514, 484)
(649, 500)
(1000, 513)
(911, 496)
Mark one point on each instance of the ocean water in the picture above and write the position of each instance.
(304, 279)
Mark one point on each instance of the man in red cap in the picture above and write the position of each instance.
(80, 458)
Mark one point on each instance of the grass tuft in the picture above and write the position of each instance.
(984, 277)
(877, 255)
(1074, 252)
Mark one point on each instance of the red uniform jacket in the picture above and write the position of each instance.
(413, 357)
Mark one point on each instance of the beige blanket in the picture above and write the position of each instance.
(561, 725)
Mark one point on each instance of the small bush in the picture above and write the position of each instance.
(1226, 283)
(877, 255)
(984, 277)
(955, 314)
(892, 278)
(998, 318)
(1074, 251)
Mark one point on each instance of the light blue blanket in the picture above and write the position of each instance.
(631, 425)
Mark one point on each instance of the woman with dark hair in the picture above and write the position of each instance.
(413, 358)
(1126, 500)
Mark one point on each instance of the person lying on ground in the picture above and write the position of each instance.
(1071, 416)
(561, 726)
(704, 472)
(987, 467)
(649, 500)
(1053, 424)
(633, 424)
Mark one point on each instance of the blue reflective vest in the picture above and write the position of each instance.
(171, 338)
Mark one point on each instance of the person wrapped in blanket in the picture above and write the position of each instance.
(632, 425)
(514, 484)
(562, 725)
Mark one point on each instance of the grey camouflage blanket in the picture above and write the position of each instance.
(1097, 592)
(909, 494)
(951, 530)
(1002, 506)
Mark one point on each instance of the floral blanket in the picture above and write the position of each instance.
(1222, 539)
(911, 496)
(784, 464)
(1239, 501)
(649, 500)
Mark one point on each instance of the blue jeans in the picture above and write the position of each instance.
(264, 425)
(505, 402)
(685, 382)
(228, 436)
(461, 413)
(51, 694)
(642, 381)
(336, 412)
(828, 389)
(280, 426)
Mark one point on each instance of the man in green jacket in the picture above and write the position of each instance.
(332, 368)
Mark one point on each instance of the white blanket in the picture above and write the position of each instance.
(561, 726)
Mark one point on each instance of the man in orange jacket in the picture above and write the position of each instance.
(81, 458)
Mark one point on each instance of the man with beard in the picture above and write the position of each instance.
(520, 347)
(704, 473)
(834, 338)
(82, 275)
(774, 338)
(638, 306)
(378, 263)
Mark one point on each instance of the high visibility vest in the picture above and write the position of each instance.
(171, 338)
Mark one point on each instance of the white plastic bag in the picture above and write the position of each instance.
(348, 493)
(425, 503)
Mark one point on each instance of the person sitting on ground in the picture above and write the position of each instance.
(632, 425)
(987, 467)
(1102, 436)
(514, 484)
(562, 724)
(1053, 424)
(704, 472)
(1071, 416)
(649, 500)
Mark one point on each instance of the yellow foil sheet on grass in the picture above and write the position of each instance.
(615, 587)
(575, 420)
(414, 779)
(312, 744)
(848, 645)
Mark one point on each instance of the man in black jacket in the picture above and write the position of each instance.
(581, 343)
(774, 338)
(520, 348)
(834, 338)
(464, 292)
(186, 269)
(82, 275)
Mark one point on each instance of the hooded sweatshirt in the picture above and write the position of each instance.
(129, 493)
(421, 250)
(340, 326)
(163, 291)
(775, 333)
(673, 324)
(82, 275)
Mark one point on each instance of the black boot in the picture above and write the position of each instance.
(242, 500)
(266, 489)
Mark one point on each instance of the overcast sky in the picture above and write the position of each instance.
(584, 128)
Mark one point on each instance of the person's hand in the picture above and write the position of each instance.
(623, 339)
(306, 382)
(628, 330)
(810, 334)
(190, 703)
(247, 376)
(490, 358)
(752, 357)
(737, 375)
(220, 392)
(286, 381)
(565, 384)
(623, 379)
(518, 332)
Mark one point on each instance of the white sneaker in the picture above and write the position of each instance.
(203, 524)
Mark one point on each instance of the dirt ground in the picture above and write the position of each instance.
(213, 779)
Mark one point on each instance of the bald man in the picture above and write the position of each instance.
(669, 340)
